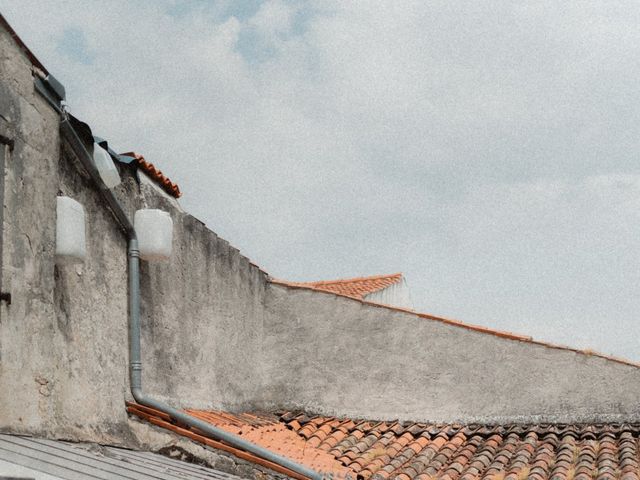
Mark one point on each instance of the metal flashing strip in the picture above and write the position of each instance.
(42, 89)
(51, 89)
(116, 156)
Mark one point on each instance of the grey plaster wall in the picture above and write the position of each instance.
(202, 315)
(31, 345)
(338, 356)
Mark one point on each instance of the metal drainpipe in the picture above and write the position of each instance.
(135, 359)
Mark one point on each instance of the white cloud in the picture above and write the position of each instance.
(273, 18)
(487, 150)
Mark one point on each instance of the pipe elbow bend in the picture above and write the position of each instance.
(138, 395)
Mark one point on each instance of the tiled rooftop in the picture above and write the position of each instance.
(156, 175)
(261, 429)
(358, 287)
(406, 451)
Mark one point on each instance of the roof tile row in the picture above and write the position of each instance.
(357, 288)
(262, 429)
(451, 452)
(156, 175)
(417, 451)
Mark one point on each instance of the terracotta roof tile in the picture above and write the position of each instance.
(358, 287)
(262, 429)
(156, 175)
(418, 451)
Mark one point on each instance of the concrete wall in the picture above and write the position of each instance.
(30, 343)
(217, 334)
(339, 356)
(202, 316)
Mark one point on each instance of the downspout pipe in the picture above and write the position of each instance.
(135, 357)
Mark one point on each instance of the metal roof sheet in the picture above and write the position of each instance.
(42, 459)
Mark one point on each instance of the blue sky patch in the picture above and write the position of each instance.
(74, 46)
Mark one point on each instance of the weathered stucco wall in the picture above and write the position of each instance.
(217, 334)
(33, 351)
(336, 355)
(64, 337)
(202, 316)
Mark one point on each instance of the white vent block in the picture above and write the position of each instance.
(106, 168)
(70, 233)
(154, 229)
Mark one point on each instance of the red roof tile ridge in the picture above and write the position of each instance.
(358, 287)
(156, 175)
(467, 326)
(395, 276)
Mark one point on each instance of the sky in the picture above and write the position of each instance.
(487, 150)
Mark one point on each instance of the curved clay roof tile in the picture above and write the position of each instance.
(156, 175)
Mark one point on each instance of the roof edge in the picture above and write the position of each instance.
(16, 38)
(467, 326)
(162, 420)
(155, 174)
